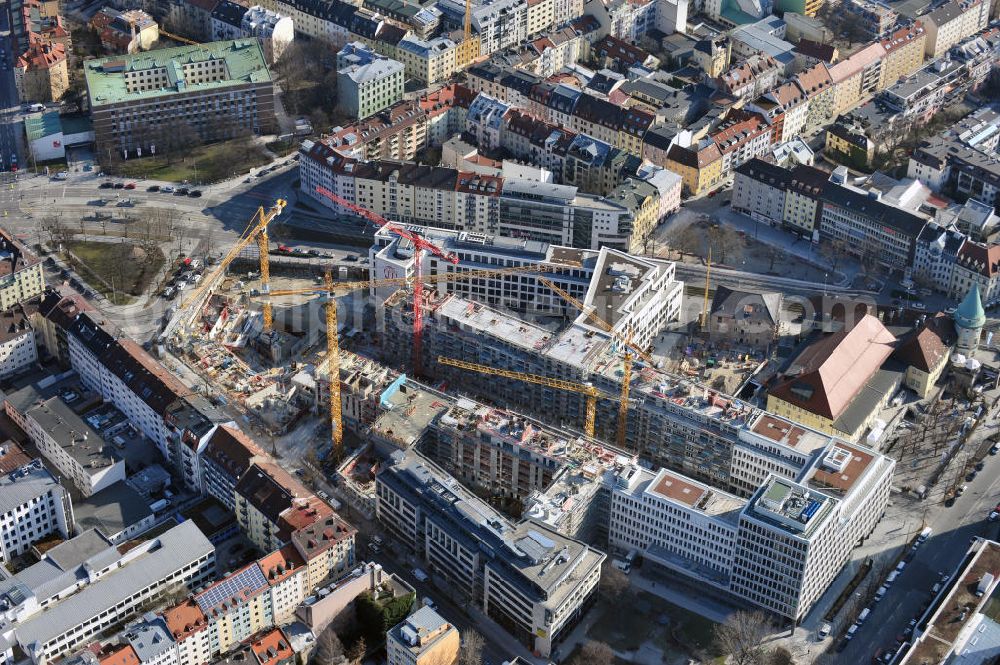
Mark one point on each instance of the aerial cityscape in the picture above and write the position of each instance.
(499, 332)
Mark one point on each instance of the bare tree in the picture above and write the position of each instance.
(54, 228)
(780, 656)
(614, 583)
(595, 653)
(357, 652)
(471, 651)
(741, 636)
(725, 243)
(329, 650)
(687, 241)
(775, 254)
(834, 252)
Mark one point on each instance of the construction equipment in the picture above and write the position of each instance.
(468, 21)
(708, 273)
(630, 349)
(178, 38)
(265, 273)
(330, 290)
(419, 246)
(590, 391)
(259, 222)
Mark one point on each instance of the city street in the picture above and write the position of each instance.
(10, 133)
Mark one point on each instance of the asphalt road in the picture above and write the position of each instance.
(9, 103)
(954, 527)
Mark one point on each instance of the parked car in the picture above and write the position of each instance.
(167, 189)
(153, 188)
(130, 185)
(106, 185)
(919, 305)
(194, 193)
(119, 185)
(181, 191)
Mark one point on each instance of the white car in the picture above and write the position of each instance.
(994, 516)
(167, 189)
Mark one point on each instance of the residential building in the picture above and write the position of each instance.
(741, 319)
(952, 22)
(274, 31)
(925, 352)
(428, 61)
(752, 77)
(527, 576)
(327, 604)
(848, 143)
(180, 86)
(423, 638)
(759, 190)
(699, 166)
(41, 73)
(17, 342)
(368, 84)
(261, 496)
(874, 17)
(33, 505)
(85, 585)
(67, 441)
(227, 455)
(817, 83)
(21, 272)
(287, 576)
(904, 53)
(712, 55)
(125, 32)
(785, 108)
(856, 77)
(838, 384)
(741, 137)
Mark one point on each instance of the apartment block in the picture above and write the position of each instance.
(275, 31)
(86, 586)
(951, 23)
(66, 440)
(262, 496)
(33, 505)
(179, 86)
(904, 53)
(41, 73)
(526, 576)
(367, 83)
(423, 638)
(17, 342)
(876, 18)
(154, 400)
(288, 578)
(20, 271)
(227, 455)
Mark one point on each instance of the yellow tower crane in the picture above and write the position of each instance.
(330, 289)
(590, 391)
(257, 224)
(630, 349)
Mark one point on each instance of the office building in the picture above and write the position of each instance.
(214, 91)
(86, 586)
(423, 638)
(33, 505)
(528, 577)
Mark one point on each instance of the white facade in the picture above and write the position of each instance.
(275, 32)
(17, 351)
(33, 505)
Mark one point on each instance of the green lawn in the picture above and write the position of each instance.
(668, 626)
(113, 268)
(202, 164)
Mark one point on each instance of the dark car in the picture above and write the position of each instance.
(314, 252)
(119, 185)
(969, 477)
(153, 188)
(107, 185)
(980, 466)
(194, 193)
(181, 191)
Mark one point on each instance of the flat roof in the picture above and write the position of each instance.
(178, 546)
(105, 78)
(73, 434)
(693, 494)
(112, 510)
(841, 467)
(23, 484)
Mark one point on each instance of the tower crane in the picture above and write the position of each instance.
(258, 223)
(630, 349)
(419, 246)
(588, 390)
(330, 290)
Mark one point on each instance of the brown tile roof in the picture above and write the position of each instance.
(815, 79)
(12, 456)
(902, 37)
(826, 377)
(271, 647)
(184, 619)
(980, 258)
(13, 324)
(123, 655)
(281, 564)
(925, 347)
(818, 50)
(321, 536)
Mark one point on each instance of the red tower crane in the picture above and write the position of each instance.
(419, 245)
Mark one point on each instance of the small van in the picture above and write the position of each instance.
(880, 594)
(850, 632)
(925, 534)
(892, 577)
(900, 566)
(864, 615)
(824, 631)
